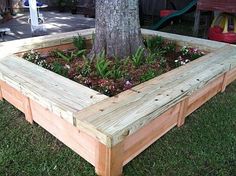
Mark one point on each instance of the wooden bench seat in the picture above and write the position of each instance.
(56, 93)
(112, 120)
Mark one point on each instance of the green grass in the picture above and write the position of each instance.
(205, 145)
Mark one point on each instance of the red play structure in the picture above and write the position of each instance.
(220, 29)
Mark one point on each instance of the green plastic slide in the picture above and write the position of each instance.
(166, 19)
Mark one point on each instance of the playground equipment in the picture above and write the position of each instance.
(171, 16)
(221, 30)
(225, 6)
(39, 5)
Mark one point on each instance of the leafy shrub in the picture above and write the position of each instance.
(154, 43)
(69, 57)
(116, 72)
(79, 42)
(137, 58)
(170, 47)
(36, 58)
(192, 53)
(163, 62)
(60, 69)
(150, 59)
(148, 75)
(102, 65)
(86, 69)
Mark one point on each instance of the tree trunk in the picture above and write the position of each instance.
(117, 28)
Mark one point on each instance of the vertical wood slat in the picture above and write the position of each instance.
(17, 99)
(1, 96)
(27, 110)
(183, 112)
(224, 83)
(109, 161)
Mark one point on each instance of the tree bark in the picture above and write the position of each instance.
(118, 30)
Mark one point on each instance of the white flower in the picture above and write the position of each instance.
(67, 66)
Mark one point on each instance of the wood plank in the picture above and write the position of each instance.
(231, 76)
(22, 45)
(204, 94)
(147, 135)
(202, 44)
(183, 111)
(111, 119)
(47, 50)
(61, 96)
(109, 161)
(27, 110)
(71, 136)
(224, 83)
(12, 96)
(1, 96)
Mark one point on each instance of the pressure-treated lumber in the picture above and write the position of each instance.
(1, 97)
(27, 109)
(113, 119)
(180, 40)
(71, 136)
(23, 45)
(109, 160)
(58, 40)
(56, 93)
(17, 99)
(182, 111)
(110, 132)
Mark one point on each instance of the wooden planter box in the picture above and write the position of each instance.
(110, 132)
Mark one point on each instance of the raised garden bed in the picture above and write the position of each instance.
(110, 132)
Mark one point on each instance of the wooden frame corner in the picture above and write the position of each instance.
(109, 161)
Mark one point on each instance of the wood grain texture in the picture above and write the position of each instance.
(12, 96)
(71, 136)
(231, 76)
(113, 119)
(147, 135)
(27, 109)
(1, 97)
(109, 161)
(202, 44)
(182, 111)
(56, 93)
(22, 45)
(224, 82)
(203, 95)
(38, 43)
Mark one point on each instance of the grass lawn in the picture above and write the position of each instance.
(205, 145)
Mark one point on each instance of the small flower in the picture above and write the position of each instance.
(67, 66)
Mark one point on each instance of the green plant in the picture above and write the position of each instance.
(170, 47)
(154, 43)
(79, 42)
(192, 53)
(163, 62)
(71, 56)
(86, 69)
(59, 69)
(36, 58)
(137, 58)
(102, 65)
(116, 72)
(148, 75)
(150, 59)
